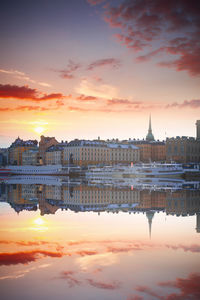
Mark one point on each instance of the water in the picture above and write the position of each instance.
(79, 240)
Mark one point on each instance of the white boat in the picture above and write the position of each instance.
(137, 170)
(39, 170)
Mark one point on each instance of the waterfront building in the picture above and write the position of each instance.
(198, 130)
(150, 150)
(30, 157)
(83, 152)
(183, 202)
(183, 149)
(44, 144)
(17, 148)
(3, 156)
(54, 154)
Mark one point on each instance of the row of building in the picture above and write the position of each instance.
(95, 152)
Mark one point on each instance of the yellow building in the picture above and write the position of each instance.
(30, 157)
(54, 154)
(44, 144)
(83, 152)
(18, 148)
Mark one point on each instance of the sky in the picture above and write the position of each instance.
(96, 68)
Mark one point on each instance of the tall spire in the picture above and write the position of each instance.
(150, 130)
(150, 215)
(150, 136)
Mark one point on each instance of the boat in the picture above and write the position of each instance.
(138, 170)
(40, 170)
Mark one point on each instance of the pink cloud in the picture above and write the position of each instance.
(187, 103)
(122, 102)
(70, 278)
(86, 98)
(195, 248)
(95, 2)
(149, 291)
(68, 72)
(189, 287)
(135, 297)
(104, 285)
(112, 62)
(170, 27)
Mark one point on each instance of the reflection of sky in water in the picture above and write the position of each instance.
(64, 254)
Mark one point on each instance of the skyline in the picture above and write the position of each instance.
(99, 68)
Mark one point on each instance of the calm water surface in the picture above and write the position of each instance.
(64, 240)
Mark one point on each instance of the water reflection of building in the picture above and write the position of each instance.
(99, 198)
(183, 202)
(22, 197)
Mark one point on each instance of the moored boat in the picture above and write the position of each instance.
(40, 170)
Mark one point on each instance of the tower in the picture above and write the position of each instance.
(150, 136)
(198, 129)
(150, 215)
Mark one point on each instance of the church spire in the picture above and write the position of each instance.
(150, 215)
(150, 130)
(150, 136)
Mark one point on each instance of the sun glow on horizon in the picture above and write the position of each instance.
(39, 129)
(39, 224)
(39, 221)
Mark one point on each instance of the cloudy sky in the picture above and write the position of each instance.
(89, 68)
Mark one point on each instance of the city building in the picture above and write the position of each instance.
(54, 154)
(150, 150)
(183, 149)
(198, 130)
(3, 156)
(82, 152)
(44, 144)
(17, 148)
(30, 157)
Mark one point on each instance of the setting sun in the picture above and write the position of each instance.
(39, 221)
(39, 129)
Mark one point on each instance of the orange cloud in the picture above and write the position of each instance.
(26, 93)
(86, 98)
(25, 257)
(86, 252)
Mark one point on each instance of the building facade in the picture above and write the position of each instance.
(151, 151)
(18, 148)
(30, 157)
(198, 129)
(83, 153)
(183, 149)
(44, 144)
(54, 154)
